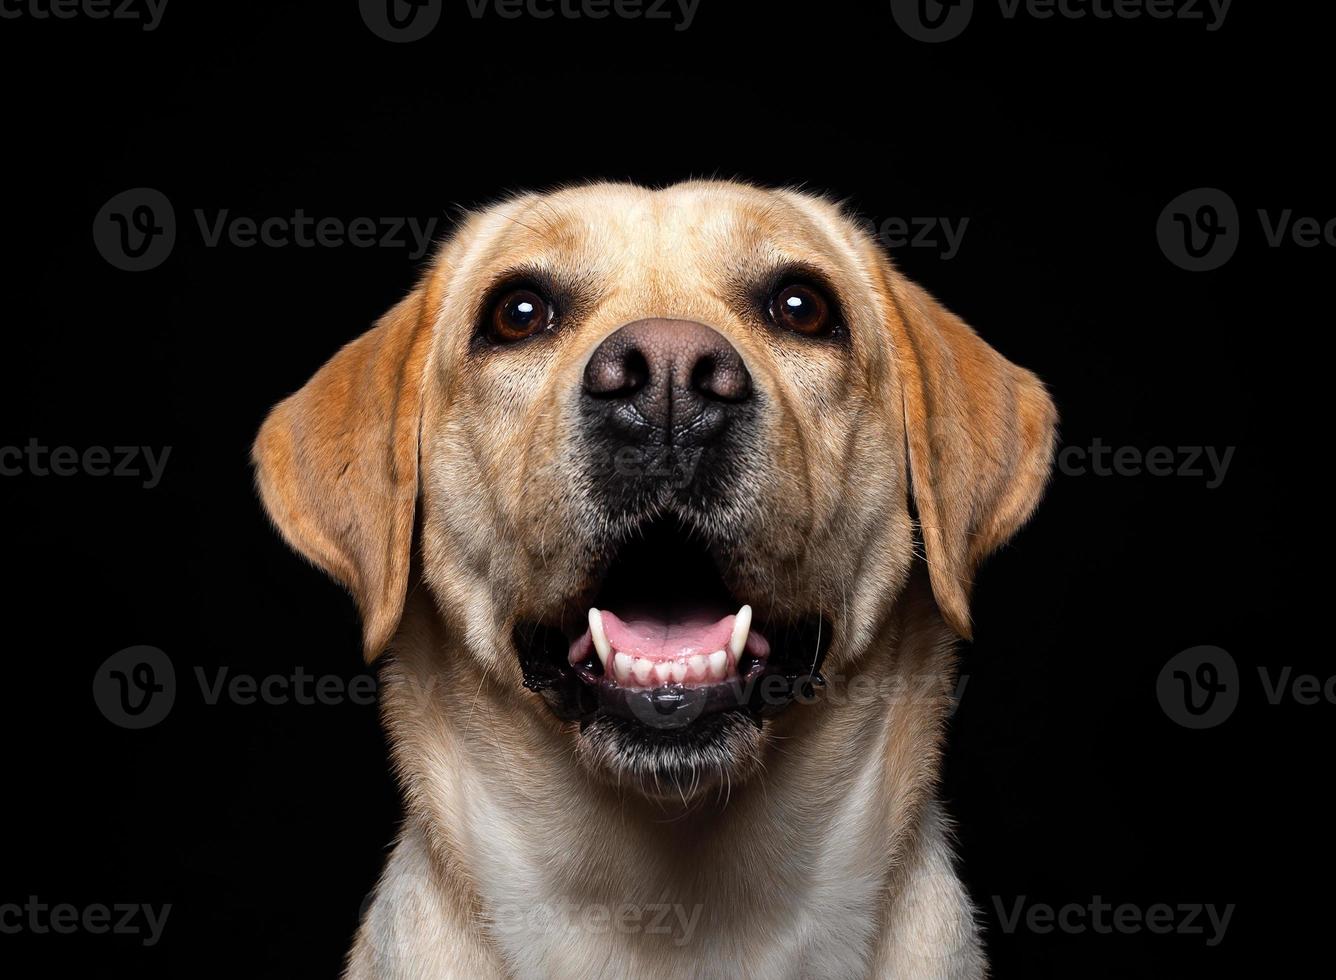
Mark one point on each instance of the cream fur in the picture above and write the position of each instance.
(441, 485)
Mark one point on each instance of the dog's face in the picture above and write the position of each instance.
(660, 451)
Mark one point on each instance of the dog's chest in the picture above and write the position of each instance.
(605, 908)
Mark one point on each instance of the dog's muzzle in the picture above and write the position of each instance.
(666, 383)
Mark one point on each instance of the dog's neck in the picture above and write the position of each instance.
(507, 827)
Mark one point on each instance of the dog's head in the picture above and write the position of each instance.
(663, 453)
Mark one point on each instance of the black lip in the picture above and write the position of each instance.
(791, 672)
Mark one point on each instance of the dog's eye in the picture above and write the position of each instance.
(801, 309)
(518, 314)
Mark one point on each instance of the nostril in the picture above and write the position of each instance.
(721, 376)
(635, 371)
(616, 371)
(702, 375)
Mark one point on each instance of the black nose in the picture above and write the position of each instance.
(671, 380)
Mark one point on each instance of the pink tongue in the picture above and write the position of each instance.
(656, 640)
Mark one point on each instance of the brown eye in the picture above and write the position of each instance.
(518, 314)
(801, 309)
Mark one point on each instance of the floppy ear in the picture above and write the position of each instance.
(980, 434)
(337, 465)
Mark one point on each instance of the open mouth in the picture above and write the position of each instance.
(662, 641)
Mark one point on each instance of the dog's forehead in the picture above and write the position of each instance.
(687, 227)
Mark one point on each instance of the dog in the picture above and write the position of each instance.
(661, 509)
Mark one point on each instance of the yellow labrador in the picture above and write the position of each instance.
(663, 507)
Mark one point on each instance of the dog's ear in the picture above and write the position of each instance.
(337, 464)
(980, 435)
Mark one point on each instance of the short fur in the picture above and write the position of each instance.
(814, 847)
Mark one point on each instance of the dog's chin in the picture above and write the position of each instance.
(711, 755)
(668, 673)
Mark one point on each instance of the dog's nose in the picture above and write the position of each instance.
(674, 377)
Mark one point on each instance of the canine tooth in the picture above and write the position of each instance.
(600, 637)
(621, 667)
(663, 672)
(718, 664)
(698, 667)
(741, 627)
(677, 670)
(642, 669)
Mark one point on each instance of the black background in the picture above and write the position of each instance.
(1060, 140)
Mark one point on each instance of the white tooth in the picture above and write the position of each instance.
(677, 670)
(642, 669)
(741, 627)
(621, 667)
(601, 645)
(698, 667)
(663, 672)
(718, 664)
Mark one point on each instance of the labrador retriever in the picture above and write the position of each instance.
(661, 508)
